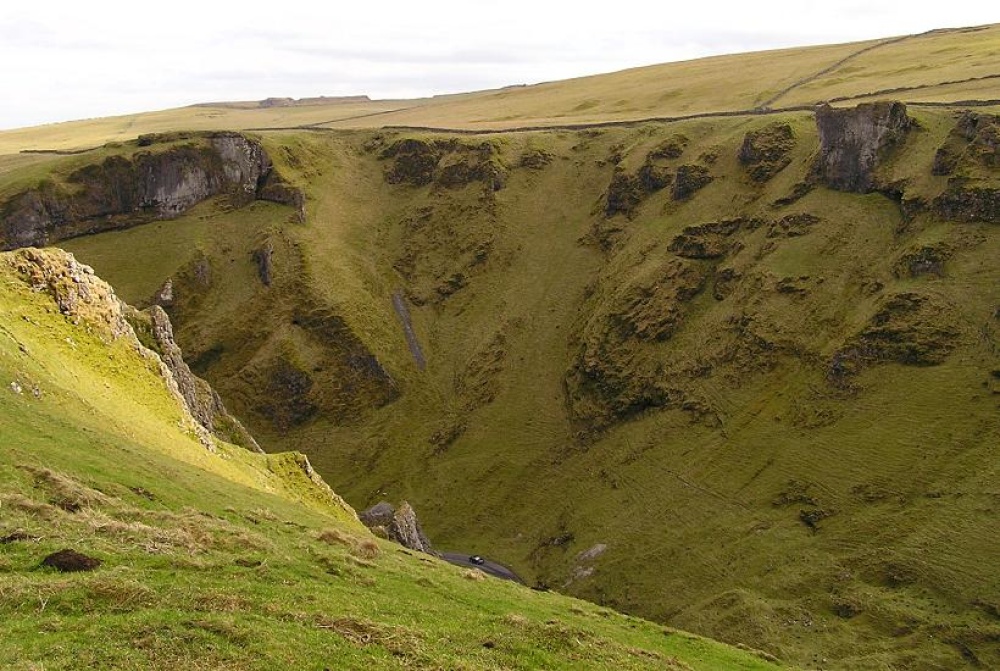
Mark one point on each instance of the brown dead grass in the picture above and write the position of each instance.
(399, 641)
(366, 548)
(65, 492)
(473, 574)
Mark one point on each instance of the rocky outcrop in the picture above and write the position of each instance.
(275, 189)
(85, 299)
(627, 190)
(624, 194)
(690, 178)
(908, 328)
(123, 191)
(263, 258)
(854, 141)
(707, 241)
(400, 526)
(77, 292)
(201, 400)
(923, 260)
(974, 141)
(615, 375)
(792, 225)
(765, 152)
(969, 203)
(535, 159)
(970, 156)
(446, 163)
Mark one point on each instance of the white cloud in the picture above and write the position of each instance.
(65, 60)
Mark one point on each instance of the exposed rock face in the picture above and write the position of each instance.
(124, 191)
(164, 296)
(399, 525)
(909, 328)
(975, 140)
(853, 141)
(969, 203)
(446, 163)
(78, 293)
(202, 401)
(764, 152)
(263, 256)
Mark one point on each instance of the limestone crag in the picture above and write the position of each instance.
(123, 191)
(76, 290)
(854, 141)
(765, 152)
(202, 401)
(401, 526)
(88, 301)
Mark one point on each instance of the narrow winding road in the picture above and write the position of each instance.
(485, 565)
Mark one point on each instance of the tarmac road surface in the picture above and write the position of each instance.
(488, 567)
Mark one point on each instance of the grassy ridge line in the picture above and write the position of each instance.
(672, 89)
(631, 123)
(205, 566)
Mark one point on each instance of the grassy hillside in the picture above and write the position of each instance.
(659, 372)
(226, 558)
(740, 492)
(939, 66)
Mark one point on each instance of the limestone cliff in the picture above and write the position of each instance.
(854, 141)
(125, 190)
(201, 400)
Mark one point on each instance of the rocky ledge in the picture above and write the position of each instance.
(128, 189)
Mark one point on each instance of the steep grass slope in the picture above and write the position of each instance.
(772, 403)
(705, 371)
(224, 558)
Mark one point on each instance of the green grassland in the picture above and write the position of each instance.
(700, 502)
(230, 559)
(592, 380)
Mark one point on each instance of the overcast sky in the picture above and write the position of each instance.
(62, 60)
